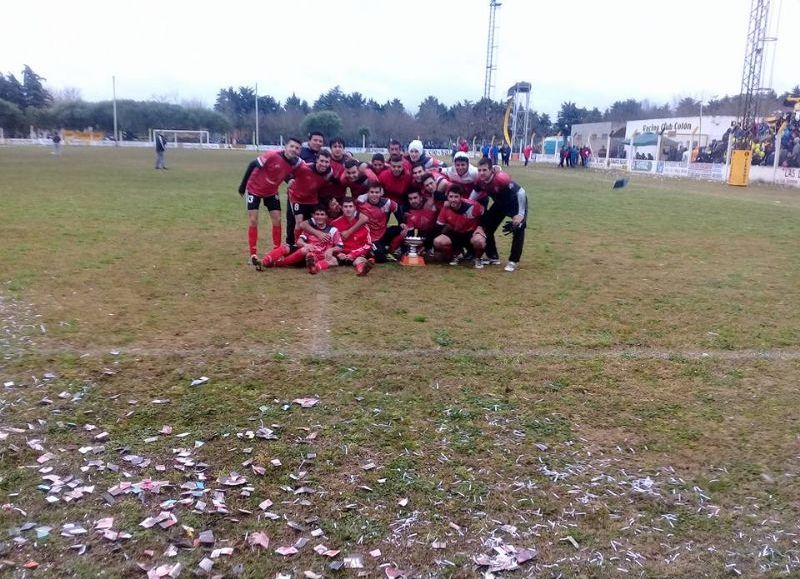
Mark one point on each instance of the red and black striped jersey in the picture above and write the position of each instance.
(378, 215)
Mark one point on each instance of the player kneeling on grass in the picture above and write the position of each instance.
(317, 252)
(377, 209)
(419, 219)
(458, 227)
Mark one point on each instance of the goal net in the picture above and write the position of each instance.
(180, 136)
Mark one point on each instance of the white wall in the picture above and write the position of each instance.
(682, 129)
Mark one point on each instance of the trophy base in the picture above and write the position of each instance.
(415, 260)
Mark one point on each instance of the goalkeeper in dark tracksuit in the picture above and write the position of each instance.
(508, 200)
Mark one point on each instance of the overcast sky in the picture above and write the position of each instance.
(592, 52)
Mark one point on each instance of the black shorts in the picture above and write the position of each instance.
(271, 203)
(304, 209)
(460, 240)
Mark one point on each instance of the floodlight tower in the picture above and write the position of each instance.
(518, 115)
(752, 69)
(491, 49)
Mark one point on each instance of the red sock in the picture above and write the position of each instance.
(252, 238)
(276, 254)
(276, 235)
(293, 258)
(359, 268)
(323, 265)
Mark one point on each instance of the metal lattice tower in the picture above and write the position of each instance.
(491, 51)
(520, 95)
(753, 65)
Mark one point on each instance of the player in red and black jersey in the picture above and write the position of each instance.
(308, 153)
(260, 183)
(419, 219)
(378, 163)
(357, 247)
(436, 188)
(417, 173)
(508, 200)
(357, 177)
(396, 180)
(458, 227)
(377, 210)
(396, 148)
(335, 189)
(304, 189)
(318, 252)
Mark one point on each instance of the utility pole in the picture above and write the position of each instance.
(114, 98)
(257, 141)
(491, 51)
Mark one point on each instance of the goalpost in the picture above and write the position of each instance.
(172, 135)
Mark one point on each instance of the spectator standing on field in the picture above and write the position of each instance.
(56, 144)
(564, 156)
(526, 153)
(585, 153)
(161, 146)
(505, 152)
(494, 153)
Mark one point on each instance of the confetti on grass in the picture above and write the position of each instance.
(306, 402)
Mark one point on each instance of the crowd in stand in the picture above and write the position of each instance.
(788, 127)
(763, 144)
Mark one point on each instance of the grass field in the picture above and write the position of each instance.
(623, 404)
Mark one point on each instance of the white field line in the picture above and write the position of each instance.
(321, 327)
(321, 348)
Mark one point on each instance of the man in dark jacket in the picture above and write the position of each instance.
(161, 146)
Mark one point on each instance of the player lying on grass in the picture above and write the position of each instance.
(357, 247)
(317, 252)
(322, 244)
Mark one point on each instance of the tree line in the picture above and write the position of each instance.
(29, 104)
(352, 116)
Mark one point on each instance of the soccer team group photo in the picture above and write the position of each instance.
(340, 208)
